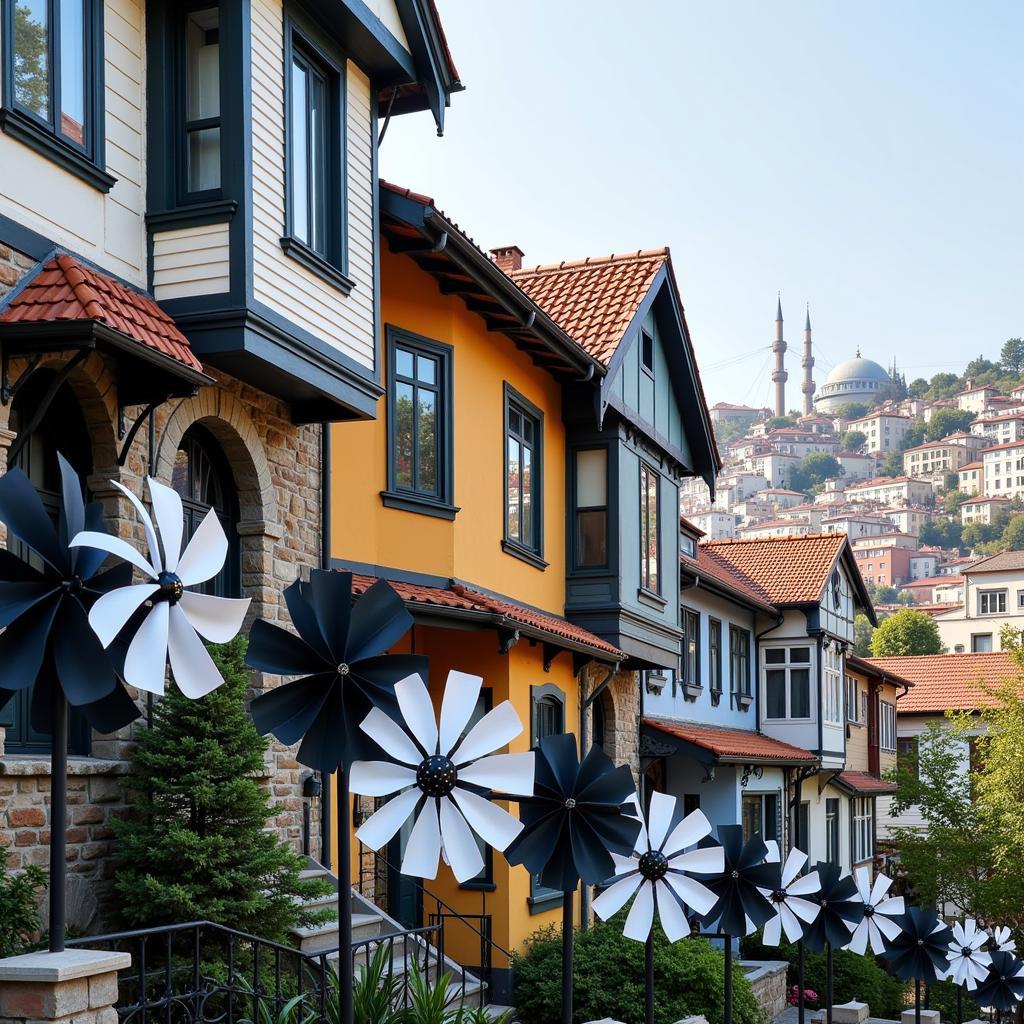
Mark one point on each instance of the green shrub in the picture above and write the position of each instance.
(609, 979)
(19, 910)
(942, 997)
(853, 976)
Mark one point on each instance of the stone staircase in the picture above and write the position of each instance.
(370, 927)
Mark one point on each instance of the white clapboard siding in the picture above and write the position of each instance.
(344, 322)
(35, 191)
(191, 261)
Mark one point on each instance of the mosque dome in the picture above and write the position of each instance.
(854, 380)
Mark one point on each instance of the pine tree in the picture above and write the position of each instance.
(196, 845)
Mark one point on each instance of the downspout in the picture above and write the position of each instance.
(326, 831)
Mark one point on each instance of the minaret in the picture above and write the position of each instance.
(779, 375)
(808, 364)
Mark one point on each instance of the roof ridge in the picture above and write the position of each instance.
(592, 261)
(726, 541)
(84, 292)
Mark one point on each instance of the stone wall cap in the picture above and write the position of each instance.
(26, 764)
(65, 966)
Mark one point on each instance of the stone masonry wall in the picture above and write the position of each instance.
(276, 469)
(620, 703)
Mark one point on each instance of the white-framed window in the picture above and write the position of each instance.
(832, 668)
(991, 602)
(787, 682)
(863, 828)
(886, 726)
(852, 700)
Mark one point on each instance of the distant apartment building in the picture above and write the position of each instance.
(923, 564)
(793, 441)
(754, 509)
(892, 490)
(775, 467)
(976, 400)
(934, 459)
(972, 477)
(932, 590)
(781, 497)
(908, 518)
(1003, 470)
(857, 465)
(1001, 429)
(884, 561)
(994, 597)
(884, 430)
(857, 524)
(715, 524)
(982, 509)
(745, 415)
(776, 528)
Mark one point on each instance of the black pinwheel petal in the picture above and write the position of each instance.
(41, 709)
(591, 860)
(377, 676)
(613, 787)
(534, 847)
(616, 830)
(297, 598)
(1002, 988)
(113, 712)
(6, 696)
(72, 512)
(754, 852)
(276, 650)
(330, 596)
(18, 598)
(23, 646)
(920, 951)
(323, 747)
(22, 512)
(15, 570)
(86, 561)
(841, 909)
(379, 620)
(81, 663)
(114, 578)
(290, 709)
(559, 754)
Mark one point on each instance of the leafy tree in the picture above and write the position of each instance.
(816, 468)
(952, 500)
(907, 631)
(944, 422)
(1013, 534)
(853, 441)
(943, 385)
(885, 595)
(978, 367)
(782, 421)
(19, 909)
(918, 387)
(1011, 356)
(950, 482)
(974, 535)
(914, 435)
(862, 632)
(905, 597)
(942, 533)
(853, 410)
(197, 845)
(31, 74)
(892, 465)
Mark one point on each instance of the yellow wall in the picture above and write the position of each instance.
(469, 548)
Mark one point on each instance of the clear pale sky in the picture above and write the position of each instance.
(866, 157)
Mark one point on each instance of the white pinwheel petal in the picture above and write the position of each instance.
(893, 906)
(205, 553)
(492, 824)
(616, 896)
(706, 861)
(115, 546)
(495, 730)
(887, 927)
(509, 773)
(146, 662)
(388, 735)
(859, 940)
(806, 885)
(112, 611)
(147, 525)
(380, 778)
(218, 619)
(696, 896)
(882, 885)
(794, 862)
(461, 691)
(170, 521)
(690, 831)
(381, 826)
(191, 665)
(804, 909)
(624, 864)
(460, 847)
(670, 913)
(659, 818)
(423, 851)
(641, 914)
(875, 936)
(773, 854)
(863, 879)
(790, 923)
(418, 711)
(773, 930)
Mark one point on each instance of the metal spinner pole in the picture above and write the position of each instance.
(567, 937)
(346, 968)
(800, 1005)
(649, 973)
(58, 821)
(727, 1009)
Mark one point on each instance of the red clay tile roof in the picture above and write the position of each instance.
(459, 597)
(947, 681)
(709, 563)
(63, 289)
(735, 746)
(1002, 562)
(594, 299)
(867, 667)
(785, 570)
(863, 783)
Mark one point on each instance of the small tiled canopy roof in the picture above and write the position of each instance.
(948, 681)
(732, 746)
(863, 784)
(64, 290)
(496, 613)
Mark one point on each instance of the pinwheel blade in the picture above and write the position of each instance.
(191, 665)
(882, 885)
(423, 851)
(659, 818)
(391, 738)
(806, 910)
(859, 940)
(330, 597)
(217, 619)
(893, 906)
(699, 898)
(708, 860)
(495, 730)
(72, 511)
(773, 931)
(379, 620)
(289, 710)
(494, 826)
(862, 879)
(806, 886)
(205, 553)
(23, 647)
(111, 612)
(147, 525)
(382, 826)
(790, 923)
(418, 712)
(170, 521)
(146, 662)
(641, 914)
(690, 831)
(535, 846)
(297, 598)
(616, 896)
(506, 773)
(460, 847)
(461, 691)
(112, 712)
(379, 778)
(82, 666)
(114, 546)
(280, 652)
(325, 746)
(670, 913)
(86, 561)
(17, 598)
(22, 512)
(793, 866)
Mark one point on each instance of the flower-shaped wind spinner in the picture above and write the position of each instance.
(792, 909)
(877, 925)
(969, 962)
(441, 776)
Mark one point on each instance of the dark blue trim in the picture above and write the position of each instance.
(25, 240)
(375, 241)
(384, 572)
(534, 554)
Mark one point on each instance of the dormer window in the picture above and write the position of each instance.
(202, 100)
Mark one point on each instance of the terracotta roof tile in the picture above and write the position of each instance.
(786, 570)
(710, 563)
(1005, 560)
(462, 598)
(594, 299)
(863, 783)
(733, 745)
(63, 289)
(947, 681)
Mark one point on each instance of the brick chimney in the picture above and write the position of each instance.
(508, 258)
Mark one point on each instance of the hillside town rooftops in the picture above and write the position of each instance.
(1003, 562)
(880, 412)
(933, 581)
(1003, 447)
(953, 682)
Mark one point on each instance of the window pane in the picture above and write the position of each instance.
(650, 498)
(512, 489)
(426, 369)
(800, 654)
(800, 693)
(527, 510)
(403, 362)
(204, 159)
(775, 655)
(775, 693)
(202, 100)
(72, 70)
(593, 537)
(403, 434)
(317, 163)
(426, 424)
(31, 56)
(771, 816)
(592, 478)
(300, 156)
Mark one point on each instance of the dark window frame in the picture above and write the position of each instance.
(739, 665)
(577, 509)
(542, 898)
(714, 658)
(514, 400)
(182, 125)
(648, 471)
(440, 503)
(87, 160)
(833, 837)
(647, 346)
(304, 41)
(689, 662)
